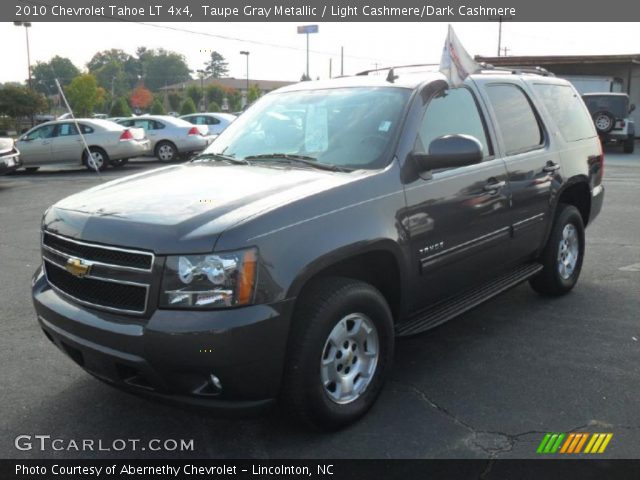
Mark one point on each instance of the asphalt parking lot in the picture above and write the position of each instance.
(487, 384)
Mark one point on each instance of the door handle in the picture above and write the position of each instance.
(551, 167)
(494, 186)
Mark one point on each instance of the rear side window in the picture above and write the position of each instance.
(566, 108)
(516, 119)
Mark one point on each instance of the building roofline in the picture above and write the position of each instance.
(530, 60)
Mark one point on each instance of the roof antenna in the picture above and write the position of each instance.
(391, 77)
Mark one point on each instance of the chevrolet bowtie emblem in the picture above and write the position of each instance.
(77, 267)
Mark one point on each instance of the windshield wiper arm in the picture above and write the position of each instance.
(303, 159)
(220, 157)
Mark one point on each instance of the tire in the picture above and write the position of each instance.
(31, 169)
(336, 308)
(604, 121)
(99, 156)
(119, 163)
(629, 145)
(166, 151)
(563, 255)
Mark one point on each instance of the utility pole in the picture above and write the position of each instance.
(500, 19)
(330, 76)
(341, 61)
(246, 53)
(26, 26)
(202, 73)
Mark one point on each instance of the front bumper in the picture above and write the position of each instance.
(9, 163)
(172, 354)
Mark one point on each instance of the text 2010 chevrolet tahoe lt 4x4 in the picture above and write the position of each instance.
(326, 220)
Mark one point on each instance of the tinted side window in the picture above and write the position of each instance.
(155, 125)
(86, 129)
(516, 120)
(455, 112)
(566, 108)
(213, 121)
(42, 132)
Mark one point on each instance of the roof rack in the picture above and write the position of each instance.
(396, 67)
(515, 70)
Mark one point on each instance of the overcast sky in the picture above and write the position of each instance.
(278, 53)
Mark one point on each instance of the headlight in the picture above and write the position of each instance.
(209, 281)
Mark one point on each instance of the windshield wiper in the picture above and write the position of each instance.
(302, 159)
(220, 157)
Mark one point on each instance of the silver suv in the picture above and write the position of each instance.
(610, 113)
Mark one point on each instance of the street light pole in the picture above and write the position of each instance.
(246, 53)
(202, 99)
(26, 26)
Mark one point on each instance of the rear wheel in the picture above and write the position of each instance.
(340, 352)
(629, 145)
(99, 160)
(562, 256)
(166, 151)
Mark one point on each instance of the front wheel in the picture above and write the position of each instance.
(563, 255)
(629, 145)
(340, 352)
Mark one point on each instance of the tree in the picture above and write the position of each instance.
(43, 74)
(213, 107)
(140, 97)
(305, 78)
(253, 94)
(83, 94)
(215, 93)
(234, 98)
(217, 66)
(194, 93)
(161, 68)
(17, 101)
(109, 63)
(188, 107)
(120, 108)
(175, 100)
(157, 108)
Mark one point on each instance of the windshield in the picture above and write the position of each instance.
(618, 105)
(343, 127)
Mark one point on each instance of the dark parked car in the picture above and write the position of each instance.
(611, 116)
(327, 220)
(9, 156)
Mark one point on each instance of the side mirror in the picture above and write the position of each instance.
(449, 151)
(632, 107)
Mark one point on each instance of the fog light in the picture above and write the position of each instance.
(211, 388)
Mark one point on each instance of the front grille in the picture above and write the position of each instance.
(96, 253)
(97, 292)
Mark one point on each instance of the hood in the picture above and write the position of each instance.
(183, 208)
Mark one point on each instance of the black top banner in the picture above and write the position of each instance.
(317, 11)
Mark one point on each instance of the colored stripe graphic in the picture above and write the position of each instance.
(572, 443)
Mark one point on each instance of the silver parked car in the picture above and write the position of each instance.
(59, 143)
(171, 136)
(215, 122)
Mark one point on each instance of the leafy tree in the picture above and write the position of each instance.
(157, 108)
(161, 68)
(194, 93)
(118, 63)
(141, 97)
(43, 74)
(120, 108)
(234, 98)
(175, 100)
(305, 78)
(217, 66)
(253, 94)
(213, 107)
(83, 94)
(188, 106)
(18, 101)
(215, 93)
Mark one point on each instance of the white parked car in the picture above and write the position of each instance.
(59, 143)
(171, 137)
(215, 122)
